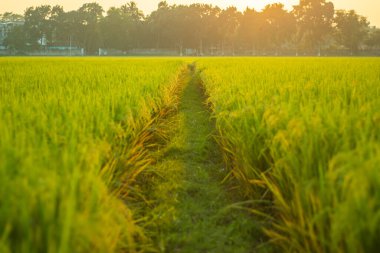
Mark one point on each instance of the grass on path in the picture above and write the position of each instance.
(192, 213)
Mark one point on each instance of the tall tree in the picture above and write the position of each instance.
(187, 26)
(229, 22)
(249, 30)
(158, 23)
(132, 11)
(69, 30)
(122, 28)
(280, 25)
(207, 21)
(56, 19)
(133, 18)
(351, 29)
(373, 39)
(37, 25)
(114, 29)
(16, 39)
(11, 17)
(207, 28)
(314, 19)
(90, 15)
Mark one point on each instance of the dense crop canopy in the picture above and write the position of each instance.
(61, 122)
(304, 135)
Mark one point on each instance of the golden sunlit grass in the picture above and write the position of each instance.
(303, 137)
(72, 143)
(80, 141)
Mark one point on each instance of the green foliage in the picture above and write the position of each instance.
(303, 137)
(374, 38)
(352, 29)
(314, 19)
(37, 25)
(16, 39)
(311, 26)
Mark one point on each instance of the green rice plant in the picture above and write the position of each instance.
(73, 139)
(302, 136)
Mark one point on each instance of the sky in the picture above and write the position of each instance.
(367, 8)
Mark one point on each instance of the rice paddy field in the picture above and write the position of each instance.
(70, 150)
(166, 155)
(302, 136)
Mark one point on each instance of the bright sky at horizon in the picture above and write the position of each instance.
(367, 8)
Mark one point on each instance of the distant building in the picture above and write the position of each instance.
(5, 27)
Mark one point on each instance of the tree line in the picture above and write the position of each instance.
(312, 27)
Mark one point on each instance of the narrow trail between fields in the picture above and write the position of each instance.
(195, 214)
